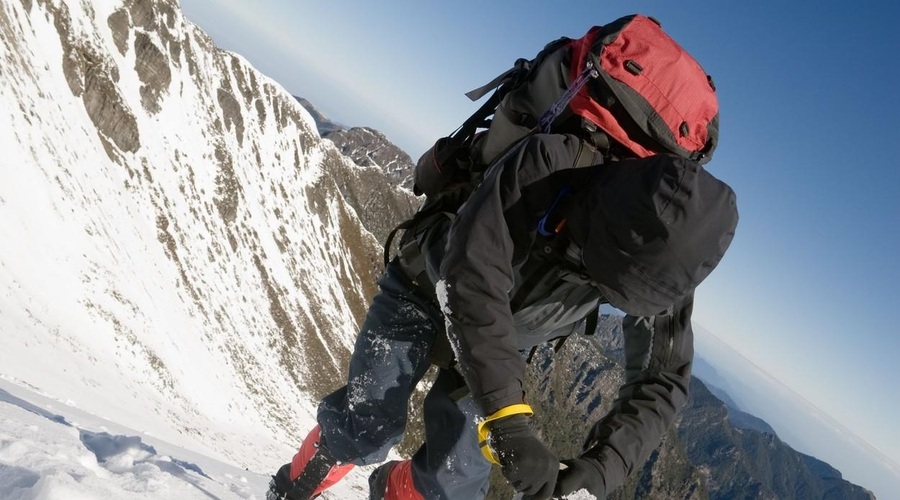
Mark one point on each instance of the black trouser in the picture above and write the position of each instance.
(361, 421)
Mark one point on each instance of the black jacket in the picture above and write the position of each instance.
(490, 251)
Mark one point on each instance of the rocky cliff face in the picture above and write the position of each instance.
(367, 147)
(377, 201)
(172, 229)
(378, 182)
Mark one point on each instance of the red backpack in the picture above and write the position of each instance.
(651, 95)
(626, 89)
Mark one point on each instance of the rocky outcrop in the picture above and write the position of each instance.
(369, 147)
(366, 146)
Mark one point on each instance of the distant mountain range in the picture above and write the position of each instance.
(716, 385)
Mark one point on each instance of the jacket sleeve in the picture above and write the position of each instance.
(491, 235)
(659, 351)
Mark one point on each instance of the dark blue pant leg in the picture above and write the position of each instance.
(361, 421)
(450, 465)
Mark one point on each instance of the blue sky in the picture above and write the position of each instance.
(810, 141)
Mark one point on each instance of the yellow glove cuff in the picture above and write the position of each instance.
(484, 431)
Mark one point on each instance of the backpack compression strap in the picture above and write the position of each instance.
(547, 118)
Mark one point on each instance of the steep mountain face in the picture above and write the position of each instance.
(172, 238)
(379, 204)
(367, 147)
(377, 181)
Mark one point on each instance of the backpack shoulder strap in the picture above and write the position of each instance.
(591, 321)
(386, 252)
(476, 94)
(590, 326)
(590, 153)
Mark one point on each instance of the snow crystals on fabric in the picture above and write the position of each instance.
(440, 289)
(581, 494)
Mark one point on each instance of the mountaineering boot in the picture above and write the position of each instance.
(312, 471)
(393, 481)
(280, 484)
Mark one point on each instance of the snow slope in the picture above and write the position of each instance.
(172, 257)
(51, 450)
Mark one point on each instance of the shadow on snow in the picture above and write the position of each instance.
(108, 449)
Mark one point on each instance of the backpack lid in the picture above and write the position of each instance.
(651, 96)
(652, 229)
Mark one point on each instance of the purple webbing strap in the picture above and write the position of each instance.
(560, 104)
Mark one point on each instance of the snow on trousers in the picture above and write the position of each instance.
(361, 421)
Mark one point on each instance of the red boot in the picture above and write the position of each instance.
(393, 481)
(312, 471)
(310, 449)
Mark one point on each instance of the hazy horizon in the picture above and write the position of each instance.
(753, 387)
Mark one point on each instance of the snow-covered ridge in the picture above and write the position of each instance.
(171, 254)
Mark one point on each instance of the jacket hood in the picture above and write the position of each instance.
(651, 230)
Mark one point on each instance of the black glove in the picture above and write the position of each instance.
(580, 473)
(526, 462)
